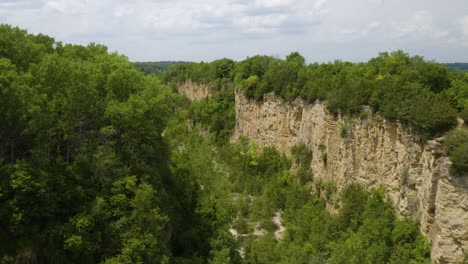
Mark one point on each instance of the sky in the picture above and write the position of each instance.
(205, 30)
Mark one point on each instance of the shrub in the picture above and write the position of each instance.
(404, 176)
(323, 153)
(302, 155)
(241, 226)
(432, 113)
(250, 85)
(304, 175)
(363, 114)
(268, 225)
(459, 159)
(464, 114)
(454, 138)
(456, 147)
(344, 129)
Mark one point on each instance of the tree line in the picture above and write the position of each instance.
(155, 67)
(396, 85)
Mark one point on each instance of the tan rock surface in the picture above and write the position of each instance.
(194, 91)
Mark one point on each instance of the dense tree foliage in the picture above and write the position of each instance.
(86, 175)
(456, 146)
(216, 73)
(216, 113)
(458, 66)
(156, 67)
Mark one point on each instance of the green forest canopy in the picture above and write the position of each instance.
(86, 175)
(460, 66)
(98, 165)
(84, 170)
(156, 67)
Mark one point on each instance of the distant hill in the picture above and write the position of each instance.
(458, 66)
(155, 67)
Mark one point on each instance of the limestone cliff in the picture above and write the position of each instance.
(194, 91)
(368, 150)
(374, 152)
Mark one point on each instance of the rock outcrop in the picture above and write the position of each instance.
(374, 152)
(195, 91)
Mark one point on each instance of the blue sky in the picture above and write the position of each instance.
(195, 30)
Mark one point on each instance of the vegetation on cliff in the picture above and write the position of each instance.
(456, 146)
(395, 85)
(216, 113)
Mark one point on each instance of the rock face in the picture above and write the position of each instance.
(194, 91)
(373, 152)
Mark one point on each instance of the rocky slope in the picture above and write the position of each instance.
(368, 150)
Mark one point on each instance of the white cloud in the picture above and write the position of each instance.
(319, 4)
(374, 24)
(260, 24)
(260, 16)
(8, 4)
(19, 4)
(171, 19)
(464, 25)
(121, 11)
(71, 7)
(422, 25)
(272, 3)
(208, 29)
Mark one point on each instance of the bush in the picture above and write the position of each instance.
(456, 147)
(363, 114)
(241, 226)
(216, 113)
(302, 155)
(304, 175)
(404, 176)
(432, 113)
(268, 225)
(464, 114)
(250, 85)
(459, 159)
(323, 153)
(344, 129)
